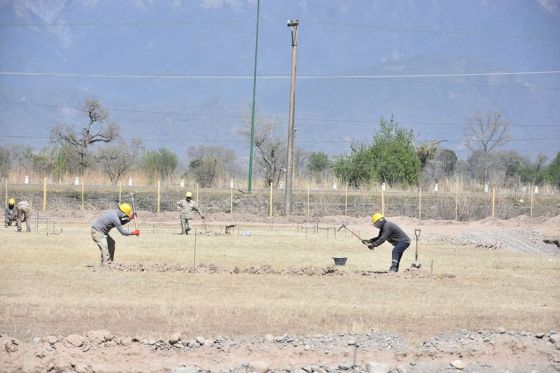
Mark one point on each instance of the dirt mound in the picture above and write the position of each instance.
(408, 273)
(100, 351)
(526, 240)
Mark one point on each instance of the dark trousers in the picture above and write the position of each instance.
(398, 251)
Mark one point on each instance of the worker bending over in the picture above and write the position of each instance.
(389, 231)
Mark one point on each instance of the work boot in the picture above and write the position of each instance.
(393, 269)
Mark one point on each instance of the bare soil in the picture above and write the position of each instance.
(469, 350)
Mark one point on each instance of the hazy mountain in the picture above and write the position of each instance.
(106, 43)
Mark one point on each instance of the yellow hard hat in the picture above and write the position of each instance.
(188, 194)
(11, 201)
(376, 217)
(126, 208)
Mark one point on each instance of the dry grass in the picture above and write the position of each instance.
(47, 288)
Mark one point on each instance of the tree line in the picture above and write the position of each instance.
(393, 156)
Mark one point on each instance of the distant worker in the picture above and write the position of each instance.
(21, 212)
(187, 207)
(389, 231)
(109, 220)
(8, 213)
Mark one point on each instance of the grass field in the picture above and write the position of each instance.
(47, 287)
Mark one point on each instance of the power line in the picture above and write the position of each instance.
(392, 28)
(434, 31)
(271, 77)
(116, 23)
(339, 141)
(303, 119)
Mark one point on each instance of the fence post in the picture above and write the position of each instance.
(457, 203)
(197, 199)
(82, 194)
(420, 204)
(231, 200)
(383, 200)
(270, 202)
(6, 191)
(346, 201)
(120, 192)
(493, 202)
(158, 194)
(45, 194)
(532, 197)
(308, 202)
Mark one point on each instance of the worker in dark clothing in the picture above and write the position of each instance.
(102, 225)
(389, 231)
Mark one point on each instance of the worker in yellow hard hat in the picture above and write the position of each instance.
(187, 207)
(389, 231)
(9, 213)
(115, 218)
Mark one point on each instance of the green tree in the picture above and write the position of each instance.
(159, 164)
(5, 162)
(390, 158)
(208, 163)
(552, 172)
(319, 164)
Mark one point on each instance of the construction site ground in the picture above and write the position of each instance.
(268, 297)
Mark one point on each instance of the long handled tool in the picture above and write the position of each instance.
(416, 263)
(345, 226)
(134, 210)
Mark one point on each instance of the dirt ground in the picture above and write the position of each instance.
(481, 350)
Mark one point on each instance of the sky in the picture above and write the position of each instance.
(178, 73)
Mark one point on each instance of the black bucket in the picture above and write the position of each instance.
(340, 261)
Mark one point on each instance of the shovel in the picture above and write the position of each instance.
(416, 263)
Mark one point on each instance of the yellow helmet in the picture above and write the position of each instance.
(188, 195)
(126, 208)
(11, 201)
(376, 217)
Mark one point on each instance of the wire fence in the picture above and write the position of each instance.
(458, 205)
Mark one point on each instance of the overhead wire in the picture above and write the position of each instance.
(302, 119)
(271, 77)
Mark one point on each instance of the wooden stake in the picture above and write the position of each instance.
(120, 192)
(158, 195)
(308, 203)
(493, 202)
(420, 204)
(383, 201)
(532, 199)
(270, 202)
(457, 203)
(231, 200)
(346, 201)
(45, 194)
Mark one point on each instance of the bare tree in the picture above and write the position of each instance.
(487, 132)
(116, 160)
(271, 149)
(97, 130)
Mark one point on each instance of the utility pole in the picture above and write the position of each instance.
(250, 177)
(293, 24)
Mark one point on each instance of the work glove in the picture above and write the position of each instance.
(135, 232)
(366, 242)
(370, 246)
